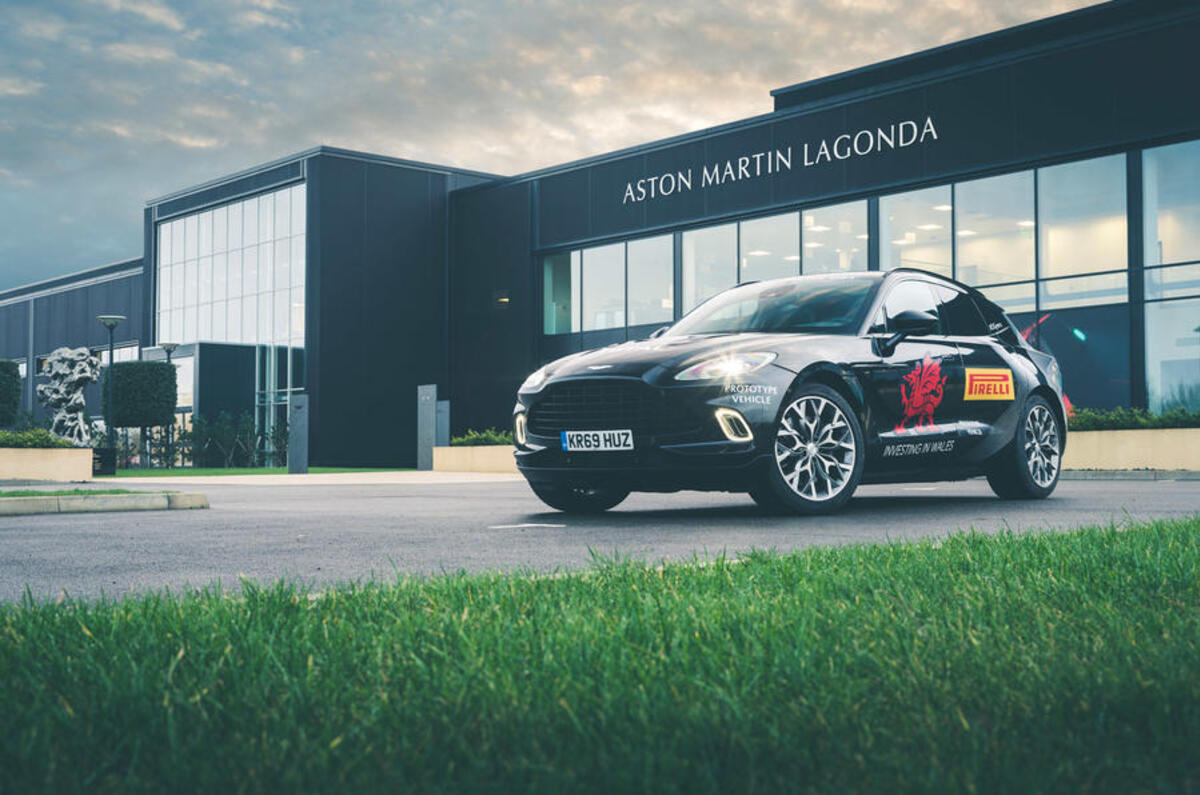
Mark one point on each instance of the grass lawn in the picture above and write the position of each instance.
(1040, 662)
(184, 472)
(65, 492)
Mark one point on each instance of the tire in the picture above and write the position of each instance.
(817, 454)
(1029, 466)
(579, 499)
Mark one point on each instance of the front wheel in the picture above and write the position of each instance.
(579, 499)
(817, 454)
(1028, 468)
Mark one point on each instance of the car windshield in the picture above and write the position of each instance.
(824, 305)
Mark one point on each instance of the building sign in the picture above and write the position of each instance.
(757, 165)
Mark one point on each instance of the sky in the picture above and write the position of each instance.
(105, 104)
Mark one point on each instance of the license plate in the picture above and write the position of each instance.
(596, 441)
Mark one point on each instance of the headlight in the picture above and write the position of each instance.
(520, 430)
(534, 381)
(730, 365)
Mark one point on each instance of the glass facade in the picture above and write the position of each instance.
(1171, 239)
(914, 230)
(1049, 244)
(770, 248)
(234, 273)
(709, 263)
(835, 238)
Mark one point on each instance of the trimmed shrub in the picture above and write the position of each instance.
(1124, 419)
(144, 393)
(488, 436)
(10, 393)
(34, 438)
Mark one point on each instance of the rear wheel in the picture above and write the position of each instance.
(1028, 468)
(579, 499)
(817, 454)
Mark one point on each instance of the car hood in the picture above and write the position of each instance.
(637, 358)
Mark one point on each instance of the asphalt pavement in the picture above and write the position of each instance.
(325, 530)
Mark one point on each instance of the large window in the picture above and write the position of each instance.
(1081, 217)
(1171, 189)
(560, 288)
(651, 275)
(835, 238)
(235, 273)
(994, 225)
(1173, 354)
(770, 248)
(914, 230)
(709, 263)
(604, 287)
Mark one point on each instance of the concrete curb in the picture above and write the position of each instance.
(1129, 474)
(100, 503)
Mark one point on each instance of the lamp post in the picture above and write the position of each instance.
(110, 322)
(170, 347)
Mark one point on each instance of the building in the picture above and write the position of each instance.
(1055, 165)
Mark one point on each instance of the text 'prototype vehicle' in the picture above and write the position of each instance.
(796, 390)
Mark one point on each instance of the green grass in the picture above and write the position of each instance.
(1004, 663)
(184, 472)
(65, 492)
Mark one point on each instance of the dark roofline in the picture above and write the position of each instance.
(1008, 44)
(69, 281)
(330, 151)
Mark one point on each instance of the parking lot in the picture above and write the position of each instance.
(334, 528)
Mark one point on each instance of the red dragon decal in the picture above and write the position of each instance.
(923, 394)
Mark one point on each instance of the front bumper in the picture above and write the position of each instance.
(692, 454)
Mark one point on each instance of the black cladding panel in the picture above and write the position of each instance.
(492, 343)
(376, 327)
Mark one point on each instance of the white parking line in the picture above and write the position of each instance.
(521, 526)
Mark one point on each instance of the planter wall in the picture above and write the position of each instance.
(484, 458)
(1167, 448)
(64, 463)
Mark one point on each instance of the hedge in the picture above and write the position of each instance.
(10, 392)
(488, 436)
(34, 438)
(1122, 419)
(144, 393)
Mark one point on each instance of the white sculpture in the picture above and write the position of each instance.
(70, 370)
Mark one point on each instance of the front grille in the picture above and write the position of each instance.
(593, 404)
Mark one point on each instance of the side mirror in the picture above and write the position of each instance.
(910, 322)
(658, 332)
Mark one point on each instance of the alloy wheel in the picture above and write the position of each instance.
(814, 448)
(1041, 446)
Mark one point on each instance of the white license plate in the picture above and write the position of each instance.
(596, 441)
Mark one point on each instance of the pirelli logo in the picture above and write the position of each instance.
(989, 383)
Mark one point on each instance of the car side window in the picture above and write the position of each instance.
(998, 324)
(915, 295)
(959, 315)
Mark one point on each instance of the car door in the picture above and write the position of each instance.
(914, 390)
(989, 388)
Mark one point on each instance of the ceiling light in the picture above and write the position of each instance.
(813, 244)
(1026, 223)
(758, 252)
(943, 208)
(901, 242)
(862, 237)
(792, 258)
(818, 228)
(967, 232)
(929, 227)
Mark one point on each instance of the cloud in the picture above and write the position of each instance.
(151, 96)
(149, 10)
(19, 87)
